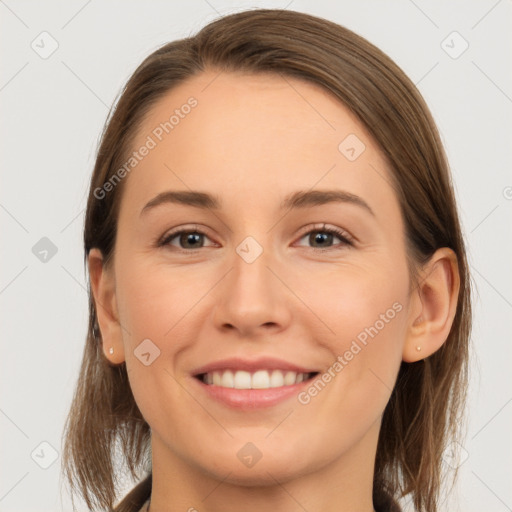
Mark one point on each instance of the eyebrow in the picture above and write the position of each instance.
(299, 199)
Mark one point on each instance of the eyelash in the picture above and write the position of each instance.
(345, 238)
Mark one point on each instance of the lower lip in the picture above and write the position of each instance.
(247, 399)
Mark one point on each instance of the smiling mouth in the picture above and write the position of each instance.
(260, 379)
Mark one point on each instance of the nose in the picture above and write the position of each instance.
(252, 299)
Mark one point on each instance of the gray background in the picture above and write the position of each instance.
(52, 112)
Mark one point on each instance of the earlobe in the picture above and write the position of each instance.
(103, 290)
(433, 306)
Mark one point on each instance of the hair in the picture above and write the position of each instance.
(426, 407)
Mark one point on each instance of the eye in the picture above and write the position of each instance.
(187, 239)
(191, 239)
(324, 236)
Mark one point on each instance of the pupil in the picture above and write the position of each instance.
(319, 237)
(190, 237)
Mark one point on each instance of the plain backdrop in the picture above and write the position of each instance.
(53, 108)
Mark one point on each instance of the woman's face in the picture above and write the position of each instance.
(258, 284)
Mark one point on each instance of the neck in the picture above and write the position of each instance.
(344, 484)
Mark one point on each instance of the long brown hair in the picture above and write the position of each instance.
(426, 406)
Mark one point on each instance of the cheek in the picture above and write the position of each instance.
(153, 305)
(365, 312)
(152, 300)
(368, 317)
(357, 302)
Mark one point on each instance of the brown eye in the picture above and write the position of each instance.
(325, 236)
(185, 239)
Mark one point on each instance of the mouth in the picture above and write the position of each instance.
(259, 379)
(249, 384)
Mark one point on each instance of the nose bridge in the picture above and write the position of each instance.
(252, 296)
(251, 277)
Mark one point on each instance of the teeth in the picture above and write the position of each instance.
(261, 379)
(227, 380)
(290, 378)
(242, 380)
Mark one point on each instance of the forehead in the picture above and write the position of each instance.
(265, 107)
(257, 133)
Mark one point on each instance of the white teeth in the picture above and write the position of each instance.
(242, 380)
(276, 379)
(228, 380)
(290, 378)
(261, 379)
(217, 378)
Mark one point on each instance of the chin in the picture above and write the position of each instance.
(262, 474)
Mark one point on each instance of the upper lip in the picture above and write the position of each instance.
(250, 365)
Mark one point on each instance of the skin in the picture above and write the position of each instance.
(251, 141)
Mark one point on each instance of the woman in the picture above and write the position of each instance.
(236, 363)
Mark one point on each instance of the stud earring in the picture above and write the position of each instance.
(111, 350)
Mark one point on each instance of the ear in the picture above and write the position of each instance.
(103, 289)
(433, 306)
